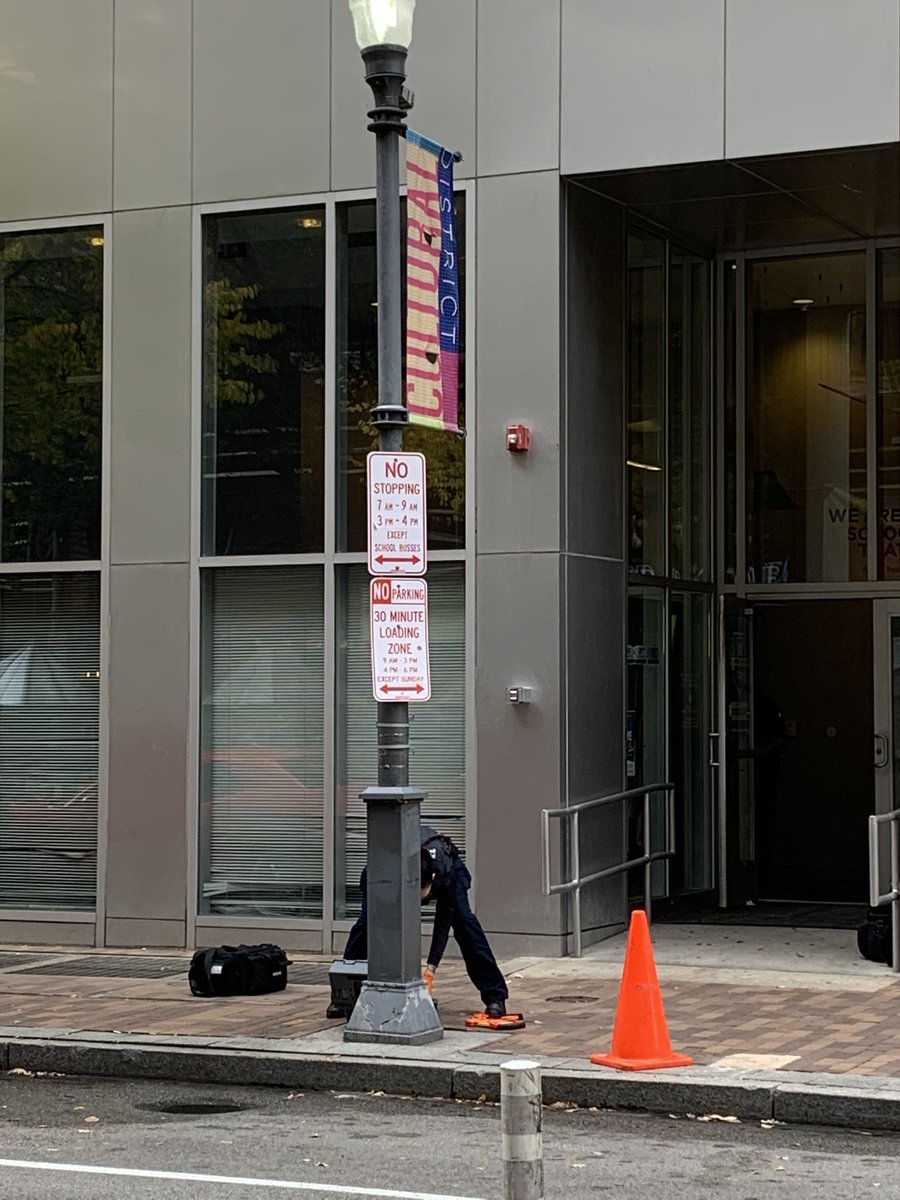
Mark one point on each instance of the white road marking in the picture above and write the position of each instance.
(188, 1177)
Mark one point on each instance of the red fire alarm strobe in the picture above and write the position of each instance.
(518, 438)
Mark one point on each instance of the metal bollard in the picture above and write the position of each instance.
(520, 1120)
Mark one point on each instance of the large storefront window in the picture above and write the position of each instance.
(288, 720)
(689, 417)
(51, 387)
(646, 420)
(669, 538)
(261, 819)
(889, 414)
(806, 420)
(437, 760)
(49, 737)
(264, 382)
(357, 383)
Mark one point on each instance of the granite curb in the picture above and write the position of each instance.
(854, 1101)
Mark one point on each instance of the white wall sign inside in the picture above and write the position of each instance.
(399, 620)
(397, 513)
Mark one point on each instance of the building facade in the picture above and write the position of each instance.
(680, 227)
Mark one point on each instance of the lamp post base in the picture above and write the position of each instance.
(399, 1013)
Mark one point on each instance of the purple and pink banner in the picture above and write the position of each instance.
(432, 286)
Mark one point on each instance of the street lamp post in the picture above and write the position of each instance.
(394, 1004)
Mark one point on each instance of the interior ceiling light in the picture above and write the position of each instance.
(639, 466)
(310, 222)
(804, 302)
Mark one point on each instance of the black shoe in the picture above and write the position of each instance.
(496, 1009)
(335, 1012)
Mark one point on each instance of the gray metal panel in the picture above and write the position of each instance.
(518, 362)
(520, 745)
(441, 73)
(518, 107)
(151, 374)
(47, 933)
(642, 83)
(811, 74)
(152, 162)
(56, 107)
(148, 691)
(260, 98)
(595, 665)
(595, 729)
(124, 932)
(594, 405)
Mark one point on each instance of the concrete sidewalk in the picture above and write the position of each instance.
(782, 1024)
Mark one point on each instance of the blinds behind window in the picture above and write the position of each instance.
(261, 826)
(49, 735)
(437, 761)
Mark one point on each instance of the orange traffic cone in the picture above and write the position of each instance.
(640, 1039)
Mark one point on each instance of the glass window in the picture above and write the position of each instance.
(889, 415)
(645, 723)
(51, 394)
(437, 761)
(646, 306)
(689, 716)
(264, 382)
(806, 419)
(689, 417)
(357, 384)
(261, 826)
(49, 735)
(729, 419)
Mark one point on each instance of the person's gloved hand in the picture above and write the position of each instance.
(428, 976)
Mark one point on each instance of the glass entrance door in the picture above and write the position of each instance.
(886, 747)
(886, 742)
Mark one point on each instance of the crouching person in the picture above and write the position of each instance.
(446, 880)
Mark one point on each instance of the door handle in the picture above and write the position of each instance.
(713, 749)
(882, 754)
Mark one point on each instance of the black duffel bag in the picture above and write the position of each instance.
(874, 936)
(238, 970)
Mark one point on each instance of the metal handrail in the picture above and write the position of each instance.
(876, 897)
(576, 882)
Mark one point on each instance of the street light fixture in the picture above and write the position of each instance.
(394, 1004)
(382, 22)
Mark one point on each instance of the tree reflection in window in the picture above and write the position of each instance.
(51, 389)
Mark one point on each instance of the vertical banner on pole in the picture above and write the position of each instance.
(432, 286)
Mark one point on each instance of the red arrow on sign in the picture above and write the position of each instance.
(381, 559)
(417, 689)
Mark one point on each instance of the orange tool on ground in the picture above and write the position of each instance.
(481, 1020)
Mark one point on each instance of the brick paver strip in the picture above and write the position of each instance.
(843, 1032)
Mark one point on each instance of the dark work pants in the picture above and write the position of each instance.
(476, 951)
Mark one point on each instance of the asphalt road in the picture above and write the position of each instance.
(337, 1145)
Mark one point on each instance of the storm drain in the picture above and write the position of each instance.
(198, 1108)
(111, 966)
(309, 974)
(572, 1000)
(12, 960)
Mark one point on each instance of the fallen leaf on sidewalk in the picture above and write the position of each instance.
(770, 1123)
(21, 1071)
(295, 1096)
(91, 1120)
(717, 1117)
(518, 975)
(321, 1164)
(577, 1166)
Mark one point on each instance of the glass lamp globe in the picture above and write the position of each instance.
(382, 22)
